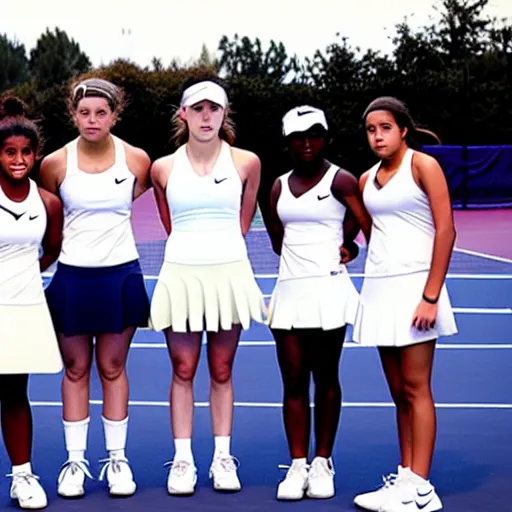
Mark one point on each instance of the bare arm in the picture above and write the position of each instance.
(346, 190)
(52, 171)
(139, 164)
(159, 175)
(274, 226)
(433, 181)
(250, 170)
(52, 240)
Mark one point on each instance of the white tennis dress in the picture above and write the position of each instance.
(398, 263)
(28, 343)
(313, 288)
(206, 280)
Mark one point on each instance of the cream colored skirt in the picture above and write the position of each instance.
(193, 298)
(326, 302)
(28, 343)
(386, 311)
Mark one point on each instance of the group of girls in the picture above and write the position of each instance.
(79, 215)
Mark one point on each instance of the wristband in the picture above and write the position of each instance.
(429, 300)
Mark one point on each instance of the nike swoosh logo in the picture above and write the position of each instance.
(118, 182)
(321, 198)
(33, 217)
(17, 216)
(304, 112)
(220, 181)
(422, 505)
(426, 494)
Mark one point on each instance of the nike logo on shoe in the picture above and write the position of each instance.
(118, 181)
(321, 198)
(304, 112)
(217, 181)
(33, 217)
(17, 216)
(423, 500)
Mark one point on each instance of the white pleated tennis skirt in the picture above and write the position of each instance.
(386, 310)
(325, 302)
(28, 343)
(193, 298)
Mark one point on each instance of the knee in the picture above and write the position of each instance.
(398, 395)
(414, 391)
(326, 382)
(297, 387)
(183, 371)
(220, 374)
(111, 369)
(77, 370)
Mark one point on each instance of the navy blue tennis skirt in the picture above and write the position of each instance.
(98, 300)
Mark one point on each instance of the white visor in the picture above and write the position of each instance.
(204, 91)
(301, 119)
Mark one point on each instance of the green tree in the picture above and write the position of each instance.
(56, 58)
(13, 63)
(243, 57)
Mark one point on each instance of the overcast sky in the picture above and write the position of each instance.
(178, 29)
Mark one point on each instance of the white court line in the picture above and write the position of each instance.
(359, 274)
(349, 344)
(361, 405)
(448, 276)
(483, 255)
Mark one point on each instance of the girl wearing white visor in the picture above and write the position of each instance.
(206, 195)
(314, 298)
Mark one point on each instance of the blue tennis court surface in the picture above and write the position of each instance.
(472, 469)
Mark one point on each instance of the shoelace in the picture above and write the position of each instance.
(293, 469)
(227, 464)
(389, 480)
(74, 466)
(179, 467)
(114, 463)
(25, 477)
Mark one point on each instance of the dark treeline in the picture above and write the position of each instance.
(455, 75)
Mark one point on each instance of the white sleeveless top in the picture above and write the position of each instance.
(205, 212)
(22, 228)
(97, 212)
(402, 237)
(313, 229)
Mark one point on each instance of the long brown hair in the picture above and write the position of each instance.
(403, 119)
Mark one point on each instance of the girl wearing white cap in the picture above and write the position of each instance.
(98, 288)
(206, 195)
(30, 221)
(314, 298)
(404, 304)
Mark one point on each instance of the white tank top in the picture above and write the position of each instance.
(402, 236)
(97, 212)
(313, 229)
(22, 228)
(205, 212)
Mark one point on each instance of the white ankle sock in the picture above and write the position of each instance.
(115, 436)
(299, 462)
(183, 450)
(75, 435)
(222, 446)
(22, 468)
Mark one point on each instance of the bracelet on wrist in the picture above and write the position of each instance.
(429, 300)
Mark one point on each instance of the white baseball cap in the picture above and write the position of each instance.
(301, 119)
(204, 91)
